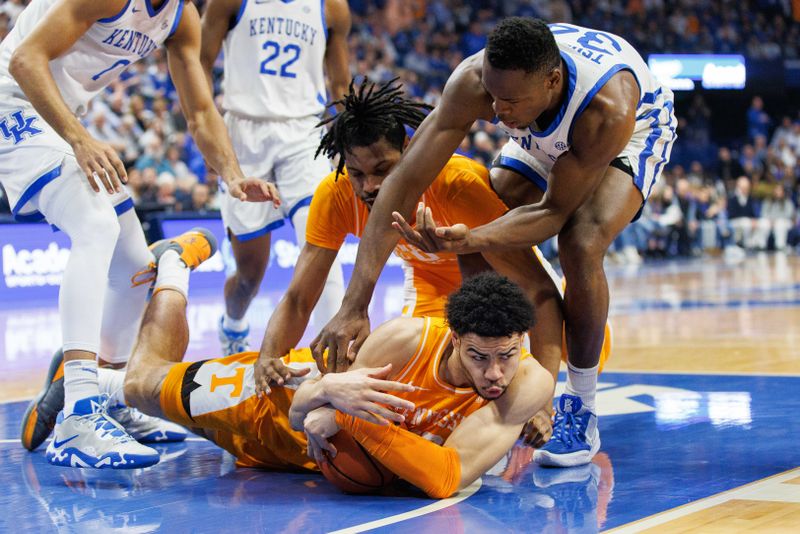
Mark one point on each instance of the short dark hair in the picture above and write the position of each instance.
(489, 305)
(521, 43)
(370, 114)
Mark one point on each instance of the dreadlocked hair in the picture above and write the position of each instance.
(370, 113)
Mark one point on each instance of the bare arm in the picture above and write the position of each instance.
(214, 28)
(205, 122)
(337, 15)
(61, 27)
(600, 134)
(290, 318)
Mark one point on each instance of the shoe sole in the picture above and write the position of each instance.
(572, 459)
(31, 417)
(72, 457)
(167, 244)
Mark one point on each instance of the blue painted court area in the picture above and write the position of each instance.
(667, 440)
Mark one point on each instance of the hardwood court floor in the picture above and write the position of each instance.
(697, 412)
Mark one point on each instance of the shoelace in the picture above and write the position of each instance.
(566, 427)
(105, 423)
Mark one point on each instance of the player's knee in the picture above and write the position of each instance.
(583, 243)
(99, 230)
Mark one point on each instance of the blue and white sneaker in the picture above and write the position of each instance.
(233, 342)
(91, 438)
(576, 438)
(146, 429)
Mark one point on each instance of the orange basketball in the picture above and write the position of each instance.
(353, 470)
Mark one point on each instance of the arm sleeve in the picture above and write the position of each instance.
(439, 475)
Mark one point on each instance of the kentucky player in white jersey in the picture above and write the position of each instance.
(59, 55)
(591, 130)
(276, 55)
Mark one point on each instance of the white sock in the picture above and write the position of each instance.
(582, 383)
(172, 273)
(237, 325)
(80, 382)
(111, 383)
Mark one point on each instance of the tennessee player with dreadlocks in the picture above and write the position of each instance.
(369, 137)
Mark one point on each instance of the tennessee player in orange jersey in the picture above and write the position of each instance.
(462, 390)
(368, 137)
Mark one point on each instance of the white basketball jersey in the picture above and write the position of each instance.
(591, 58)
(101, 54)
(274, 59)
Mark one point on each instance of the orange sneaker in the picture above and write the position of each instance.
(194, 247)
(40, 417)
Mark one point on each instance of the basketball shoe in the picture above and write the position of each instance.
(575, 439)
(232, 342)
(194, 247)
(89, 437)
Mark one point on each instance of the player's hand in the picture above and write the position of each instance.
(538, 430)
(101, 165)
(267, 369)
(319, 425)
(360, 393)
(254, 190)
(422, 235)
(345, 327)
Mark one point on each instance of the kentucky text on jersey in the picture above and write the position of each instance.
(282, 26)
(131, 41)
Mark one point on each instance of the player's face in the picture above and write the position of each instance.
(368, 166)
(490, 363)
(519, 97)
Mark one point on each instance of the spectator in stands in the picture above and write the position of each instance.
(757, 119)
(727, 168)
(780, 213)
(750, 231)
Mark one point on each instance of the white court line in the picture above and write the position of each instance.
(434, 507)
(759, 490)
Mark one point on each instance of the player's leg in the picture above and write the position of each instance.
(251, 256)
(248, 225)
(164, 333)
(124, 303)
(84, 435)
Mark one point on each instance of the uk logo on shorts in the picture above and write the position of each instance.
(16, 126)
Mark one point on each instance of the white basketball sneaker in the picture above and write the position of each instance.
(144, 428)
(91, 438)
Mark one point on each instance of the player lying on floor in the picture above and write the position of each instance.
(474, 386)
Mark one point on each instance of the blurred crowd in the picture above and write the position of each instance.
(735, 197)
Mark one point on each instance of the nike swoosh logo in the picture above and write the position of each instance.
(58, 444)
(135, 10)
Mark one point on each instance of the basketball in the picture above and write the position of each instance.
(353, 470)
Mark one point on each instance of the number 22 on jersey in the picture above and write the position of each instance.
(280, 59)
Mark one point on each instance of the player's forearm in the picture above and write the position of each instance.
(32, 73)
(439, 475)
(211, 136)
(309, 396)
(286, 326)
(525, 226)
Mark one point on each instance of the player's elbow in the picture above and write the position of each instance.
(20, 63)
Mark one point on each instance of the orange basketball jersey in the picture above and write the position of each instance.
(219, 396)
(336, 211)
